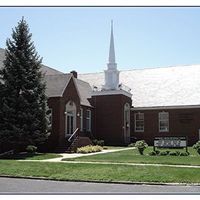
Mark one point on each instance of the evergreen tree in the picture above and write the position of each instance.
(23, 101)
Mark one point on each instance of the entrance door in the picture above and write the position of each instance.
(70, 118)
(127, 123)
(70, 123)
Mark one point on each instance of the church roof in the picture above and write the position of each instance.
(85, 91)
(158, 87)
(56, 84)
(57, 81)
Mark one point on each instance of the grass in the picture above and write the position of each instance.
(107, 172)
(37, 156)
(113, 147)
(132, 156)
(95, 172)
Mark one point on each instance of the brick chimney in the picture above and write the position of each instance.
(75, 74)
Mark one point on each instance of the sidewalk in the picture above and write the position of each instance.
(76, 155)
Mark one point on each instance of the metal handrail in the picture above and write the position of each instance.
(69, 140)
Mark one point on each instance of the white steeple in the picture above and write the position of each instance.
(111, 74)
(111, 58)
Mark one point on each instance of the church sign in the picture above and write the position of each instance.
(170, 142)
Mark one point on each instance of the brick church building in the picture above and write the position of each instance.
(122, 106)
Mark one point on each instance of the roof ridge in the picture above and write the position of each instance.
(186, 65)
(136, 69)
(51, 68)
(90, 73)
(58, 74)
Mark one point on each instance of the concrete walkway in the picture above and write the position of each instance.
(76, 155)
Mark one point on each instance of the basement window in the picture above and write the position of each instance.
(139, 122)
(88, 120)
(163, 121)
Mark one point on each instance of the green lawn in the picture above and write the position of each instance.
(132, 156)
(96, 172)
(37, 156)
(107, 172)
(113, 147)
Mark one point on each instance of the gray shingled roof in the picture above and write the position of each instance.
(57, 81)
(56, 84)
(85, 91)
(157, 87)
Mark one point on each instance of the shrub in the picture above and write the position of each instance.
(31, 149)
(131, 145)
(197, 147)
(152, 153)
(98, 142)
(184, 154)
(157, 152)
(164, 153)
(89, 149)
(141, 146)
(176, 153)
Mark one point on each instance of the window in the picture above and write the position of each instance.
(139, 122)
(88, 120)
(163, 121)
(50, 120)
(81, 118)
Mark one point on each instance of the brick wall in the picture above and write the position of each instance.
(182, 122)
(109, 118)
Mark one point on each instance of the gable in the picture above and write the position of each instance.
(56, 84)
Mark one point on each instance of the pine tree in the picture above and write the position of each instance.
(23, 101)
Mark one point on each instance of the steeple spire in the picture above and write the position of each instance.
(111, 58)
(111, 74)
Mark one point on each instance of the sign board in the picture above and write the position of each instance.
(170, 142)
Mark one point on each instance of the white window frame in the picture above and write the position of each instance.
(136, 120)
(88, 120)
(81, 118)
(165, 120)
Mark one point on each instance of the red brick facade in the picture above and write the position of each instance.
(108, 118)
(58, 106)
(182, 122)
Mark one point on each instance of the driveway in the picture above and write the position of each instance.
(14, 185)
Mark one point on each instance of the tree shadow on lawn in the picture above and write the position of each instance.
(20, 156)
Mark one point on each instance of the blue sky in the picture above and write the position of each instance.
(78, 38)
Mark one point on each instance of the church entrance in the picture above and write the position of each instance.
(126, 123)
(70, 119)
(70, 123)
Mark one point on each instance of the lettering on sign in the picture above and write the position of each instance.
(170, 142)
